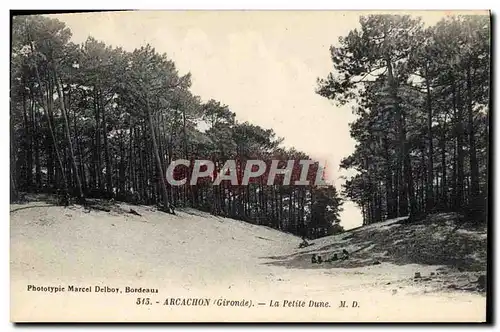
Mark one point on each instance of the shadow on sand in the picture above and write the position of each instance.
(433, 241)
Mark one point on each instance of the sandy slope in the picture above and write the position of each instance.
(194, 254)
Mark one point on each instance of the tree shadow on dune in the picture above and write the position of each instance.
(433, 241)
(31, 207)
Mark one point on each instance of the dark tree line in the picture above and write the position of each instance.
(422, 97)
(94, 121)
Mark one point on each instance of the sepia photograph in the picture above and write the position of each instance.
(250, 166)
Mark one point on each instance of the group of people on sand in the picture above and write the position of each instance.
(317, 259)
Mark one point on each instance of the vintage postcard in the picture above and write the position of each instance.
(250, 166)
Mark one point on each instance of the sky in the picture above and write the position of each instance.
(262, 64)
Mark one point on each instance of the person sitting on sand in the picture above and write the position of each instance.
(345, 254)
(304, 243)
(313, 259)
(63, 198)
(332, 259)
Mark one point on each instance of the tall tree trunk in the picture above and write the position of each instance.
(460, 151)
(68, 137)
(50, 162)
(157, 156)
(474, 188)
(142, 164)
(49, 123)
(122, 168)
(429, 206)
(80, 154)
(389, 196)
(403, 155)
(28, 139)
(38, 168)
(444, 184)
(131, 165)
(97, 134)
(14, 194)
(281, 208)
(107, 159)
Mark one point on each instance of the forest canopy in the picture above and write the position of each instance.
(422, 97)
(93, 120)
(96, 121)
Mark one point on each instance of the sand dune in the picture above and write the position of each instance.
(194, 254)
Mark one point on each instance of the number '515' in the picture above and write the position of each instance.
(143, 301)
